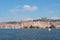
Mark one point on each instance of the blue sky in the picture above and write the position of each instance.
(17, 10)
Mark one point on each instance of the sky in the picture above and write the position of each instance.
(18, 10)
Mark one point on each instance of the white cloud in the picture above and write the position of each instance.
(24, 8)
(15, 10)
(30, 8)
(56, 17)
(34, 8)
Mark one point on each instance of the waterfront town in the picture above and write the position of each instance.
(38, 23)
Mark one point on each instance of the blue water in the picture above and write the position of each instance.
(29, 34)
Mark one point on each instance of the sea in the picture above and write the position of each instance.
(30, 34)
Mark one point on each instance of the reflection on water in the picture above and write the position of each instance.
(29, 34)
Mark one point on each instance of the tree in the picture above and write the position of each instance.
(34, 26)
(31, 26)
(26, 27)
(52, 26)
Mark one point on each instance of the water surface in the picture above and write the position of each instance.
(29, 34)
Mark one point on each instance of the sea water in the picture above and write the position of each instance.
(29, 34)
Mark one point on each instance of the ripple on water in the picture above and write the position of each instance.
(29, 34)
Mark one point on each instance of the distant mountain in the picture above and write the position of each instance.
(43, 19)
(48, 20)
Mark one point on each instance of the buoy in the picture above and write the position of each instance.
(49, 29)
